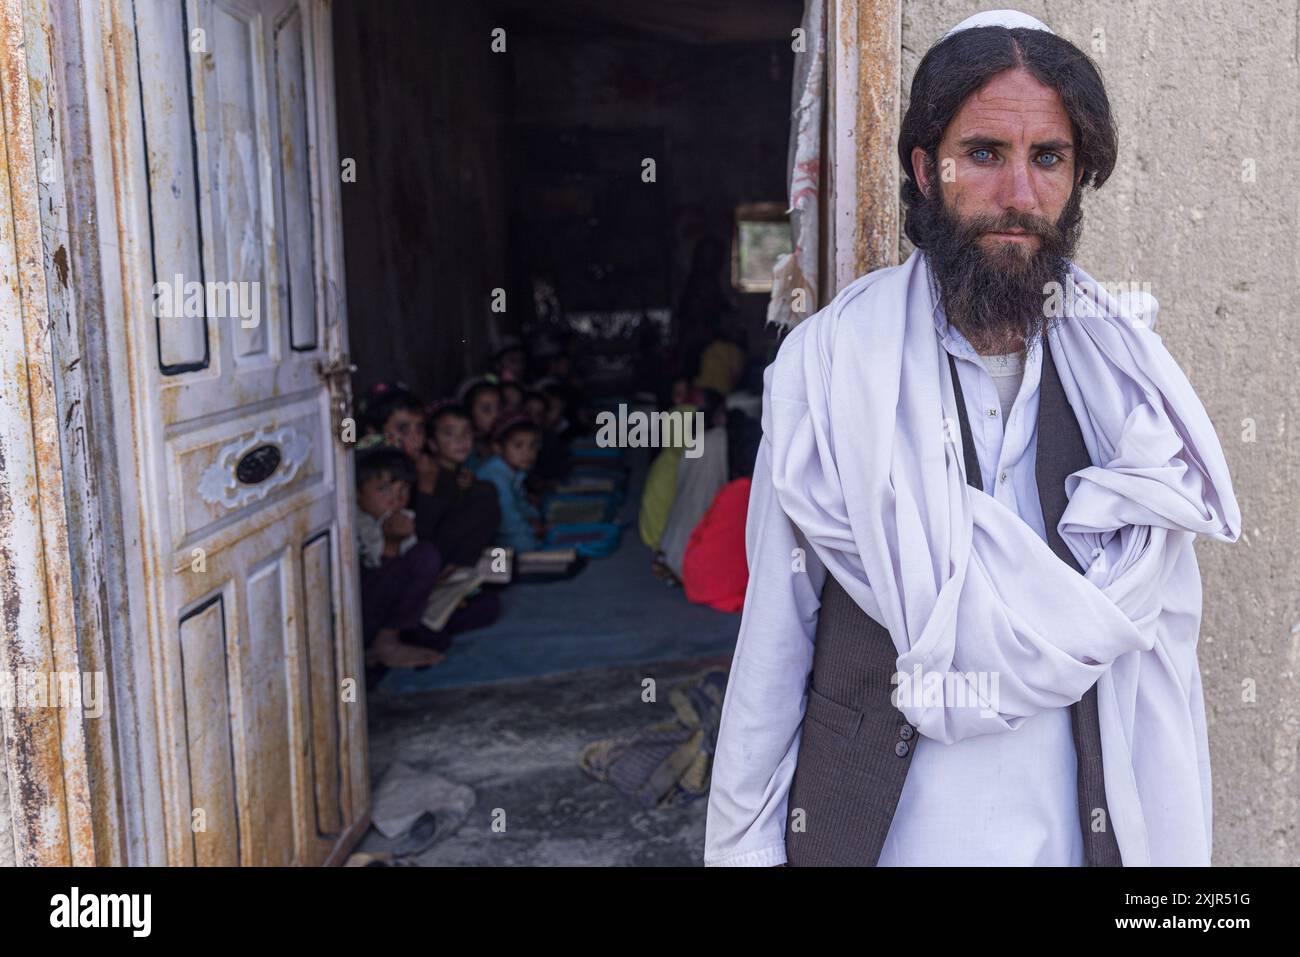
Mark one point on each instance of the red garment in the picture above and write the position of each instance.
(714, 569)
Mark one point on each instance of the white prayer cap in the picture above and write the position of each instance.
(1011, 19)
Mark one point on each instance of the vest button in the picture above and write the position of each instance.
(901, 748)
(905, 732)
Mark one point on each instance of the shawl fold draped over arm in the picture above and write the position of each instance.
(758, 741)
(1044, 640)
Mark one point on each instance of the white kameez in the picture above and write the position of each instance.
(1010, 799)
(866, 475)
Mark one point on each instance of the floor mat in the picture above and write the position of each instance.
(614, 613)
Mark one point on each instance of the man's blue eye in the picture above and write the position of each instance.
(975, 153)
(1053, 156)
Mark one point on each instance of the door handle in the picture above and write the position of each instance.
(338, 367)
(337, 375)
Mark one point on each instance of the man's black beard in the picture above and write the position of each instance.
(995, 297)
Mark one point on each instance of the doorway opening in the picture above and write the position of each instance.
(597, 187)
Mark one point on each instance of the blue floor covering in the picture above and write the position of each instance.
(614, 613)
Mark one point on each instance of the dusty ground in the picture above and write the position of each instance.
(516, 745)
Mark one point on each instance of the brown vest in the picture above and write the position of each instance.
(855, 751)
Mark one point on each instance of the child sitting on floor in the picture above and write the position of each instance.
(510, 361)
(393, 412)
(482, 399)
(698, 480)
(660, 489)
(397, 573)
(714, 570)
(534, 406)
(512, 397)
(553, 461)
(516, 441)
(464, 510)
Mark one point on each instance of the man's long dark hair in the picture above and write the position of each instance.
(956, 67)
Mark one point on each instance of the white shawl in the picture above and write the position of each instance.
(868, 464)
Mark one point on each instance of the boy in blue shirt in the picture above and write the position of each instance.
(516, 440)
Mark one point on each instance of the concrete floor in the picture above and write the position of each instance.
(515, 741)
(516, 745)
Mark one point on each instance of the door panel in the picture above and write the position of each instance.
(265, 651)
(175, 227)
(263, 719)
(207, 495)
(299, 302)
(239, 181)
(210, 754)
(322, 677)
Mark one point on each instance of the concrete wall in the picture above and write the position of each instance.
(1198, 89)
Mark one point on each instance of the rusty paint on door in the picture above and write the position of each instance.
(45, 745)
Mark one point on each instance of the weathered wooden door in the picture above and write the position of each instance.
(245, 486)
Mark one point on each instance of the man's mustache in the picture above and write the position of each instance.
(1009, 222)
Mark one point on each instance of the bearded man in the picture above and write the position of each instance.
(970, 631)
